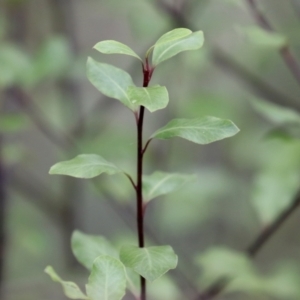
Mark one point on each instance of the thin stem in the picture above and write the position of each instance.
(285, 51)
(147, 72)
(146, 146)
(131, 180)
(139, 192)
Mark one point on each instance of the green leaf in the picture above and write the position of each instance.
(261, 37)
(202, 130)
(107, 280)
(153, 98)
(171, 36)
(84, 166)
(110, 81)
(14, 65)
(53, 60)
(71, 289)
(87, 248)
(114, 47)
(149, 262)
(273, 192)
(275, 113)
(175, 42)
(160, 183)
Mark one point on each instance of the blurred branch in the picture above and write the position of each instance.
(36, 193)
(285, 51)
(256, 83)
(39, 119)
(252, 250)
(2, 219)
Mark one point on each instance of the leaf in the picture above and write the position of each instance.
(202, 130)
(273, 192)
(84, 166)
(107, 280)
(149, 262)
(173, 43)
(114, 47)
(87, 248)
(110, 81)
(261, 37)
(153, 98)
(71, 289)
(275, 113)
(160, 183)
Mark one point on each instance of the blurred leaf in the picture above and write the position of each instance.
(107, 280)
(53, 60)
(110, 81)
(153, 98)
(284, 282)
(275, 113)
(114, 47)
(160, 183)
(87, 248)
(84, 166)
(174, 42)
(10, 123)
(163, 289)
(261, 37)
(14, 65)
(149, 262)
(273, 192)
(202, 130)
(235, 266)
(71, 289)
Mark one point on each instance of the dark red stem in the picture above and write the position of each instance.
(147, 72)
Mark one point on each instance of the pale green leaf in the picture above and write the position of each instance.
(114, 47)
(275, 113)
(160, 183)
(202, 130)
(71, 289)
(168, 46)
(149, 262)
(110, 81)
(87, 248)
(171, 36)
(84, 166)
(263, 38)
(273, 192)
(153, 98)
(107, 280)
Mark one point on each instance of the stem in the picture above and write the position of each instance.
(139, 190)
(147, 71)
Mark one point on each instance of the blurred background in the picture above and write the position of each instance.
(49, 112)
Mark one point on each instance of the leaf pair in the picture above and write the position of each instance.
(167, 46)
(108, 273)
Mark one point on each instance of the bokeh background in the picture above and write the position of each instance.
(50, 112)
